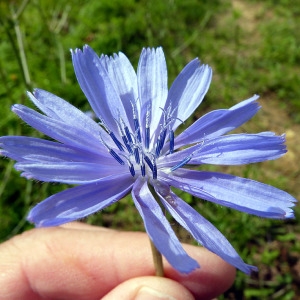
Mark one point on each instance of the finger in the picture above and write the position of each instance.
(84, 262)
(149, 287)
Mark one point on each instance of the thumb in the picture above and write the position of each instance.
(149, 287)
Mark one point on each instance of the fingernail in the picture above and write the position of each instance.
(147, 293)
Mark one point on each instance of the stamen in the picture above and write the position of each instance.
(112, 152)
(154, 171)
(137, 130)
(148, 161)
(147, 126)
(131, 169)
(160, 142)
(127, 132)
(128, 147)
(147, 137)
(182, 163)
(171, 137)
(124, 132)
(136, 155)
(116, 156)
(103, 124)
(135, 122)
(112, 135)
(148, 114)
(116, 141)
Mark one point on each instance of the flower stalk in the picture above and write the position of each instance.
(157, 260)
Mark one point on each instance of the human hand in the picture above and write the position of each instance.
(79, 261)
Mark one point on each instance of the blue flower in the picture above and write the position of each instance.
(133, 147)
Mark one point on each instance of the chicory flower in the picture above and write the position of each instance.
(133, 147)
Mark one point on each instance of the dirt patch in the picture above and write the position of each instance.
(273, 117)
(249, 13)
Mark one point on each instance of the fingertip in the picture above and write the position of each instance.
(149, 287)
(213, 278)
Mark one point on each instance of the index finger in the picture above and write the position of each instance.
(86, 262)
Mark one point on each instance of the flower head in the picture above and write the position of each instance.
(133, 147)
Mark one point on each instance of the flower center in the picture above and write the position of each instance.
(133, 147)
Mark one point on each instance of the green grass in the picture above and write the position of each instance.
(253, 47)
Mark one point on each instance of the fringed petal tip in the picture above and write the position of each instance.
(154, 50)
(76, 50)
(289, 214)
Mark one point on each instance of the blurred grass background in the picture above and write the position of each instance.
(252, 46)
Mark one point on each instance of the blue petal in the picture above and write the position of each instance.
(159, 229)
(59, 109)
(58, 130)
(237, 149)
(203, 231)
(99, 88)
(238, 193)
(80, 201)
(23, 148)
(69, 172)
(153, 87)
(234, 149)
(218, 122)
(121, 72)
(188, 90)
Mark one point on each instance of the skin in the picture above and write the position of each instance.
(79, 261)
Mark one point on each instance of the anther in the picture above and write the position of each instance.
(135, 122)
(116, 141)
(136, 155)
(182, 163)
(171, 140)
(149, 162)
(116, 156)
(128, 147)
(160, 142)
(154, 171)
(125, 134)
(147, 137)
(131, 169)
(112, 152)
(111, 134)
(128, 134)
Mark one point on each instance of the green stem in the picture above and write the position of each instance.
(158, 262)
(157, 257)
